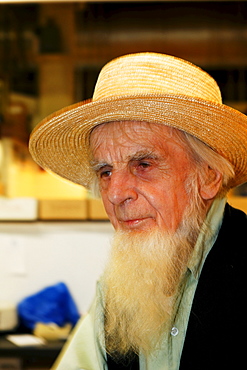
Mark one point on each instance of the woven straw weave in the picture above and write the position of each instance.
(144, 87)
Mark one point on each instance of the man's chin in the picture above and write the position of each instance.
(140, 228)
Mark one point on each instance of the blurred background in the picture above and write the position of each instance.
(50, 56)
(51, 53)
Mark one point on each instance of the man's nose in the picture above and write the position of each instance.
(122, 187)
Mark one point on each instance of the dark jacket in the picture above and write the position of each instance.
(217, 332)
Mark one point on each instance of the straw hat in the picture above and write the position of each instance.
(149, 87)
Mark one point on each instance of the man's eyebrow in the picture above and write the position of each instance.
(142, 155)
(97, 165)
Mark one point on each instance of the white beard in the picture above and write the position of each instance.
(141, 283)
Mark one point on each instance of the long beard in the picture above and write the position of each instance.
(141, 282)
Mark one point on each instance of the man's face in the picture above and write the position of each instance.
(142, 170)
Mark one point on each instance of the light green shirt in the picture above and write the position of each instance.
(84, 350)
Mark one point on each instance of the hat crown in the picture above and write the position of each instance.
(155, 74)
(149, 87)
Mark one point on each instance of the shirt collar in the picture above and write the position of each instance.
(206, 239)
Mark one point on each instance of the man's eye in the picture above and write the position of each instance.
(144, 165)
(104, 174)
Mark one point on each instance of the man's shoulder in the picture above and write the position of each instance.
(231, 241)
(232, 211)
(234, 219)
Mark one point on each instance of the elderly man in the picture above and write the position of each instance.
(162, 150)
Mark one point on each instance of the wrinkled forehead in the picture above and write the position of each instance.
(130, 132)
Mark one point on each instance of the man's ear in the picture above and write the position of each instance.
(210, 184)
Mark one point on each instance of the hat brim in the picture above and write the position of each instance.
(60, 143)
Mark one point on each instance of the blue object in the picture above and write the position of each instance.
(53, 304)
